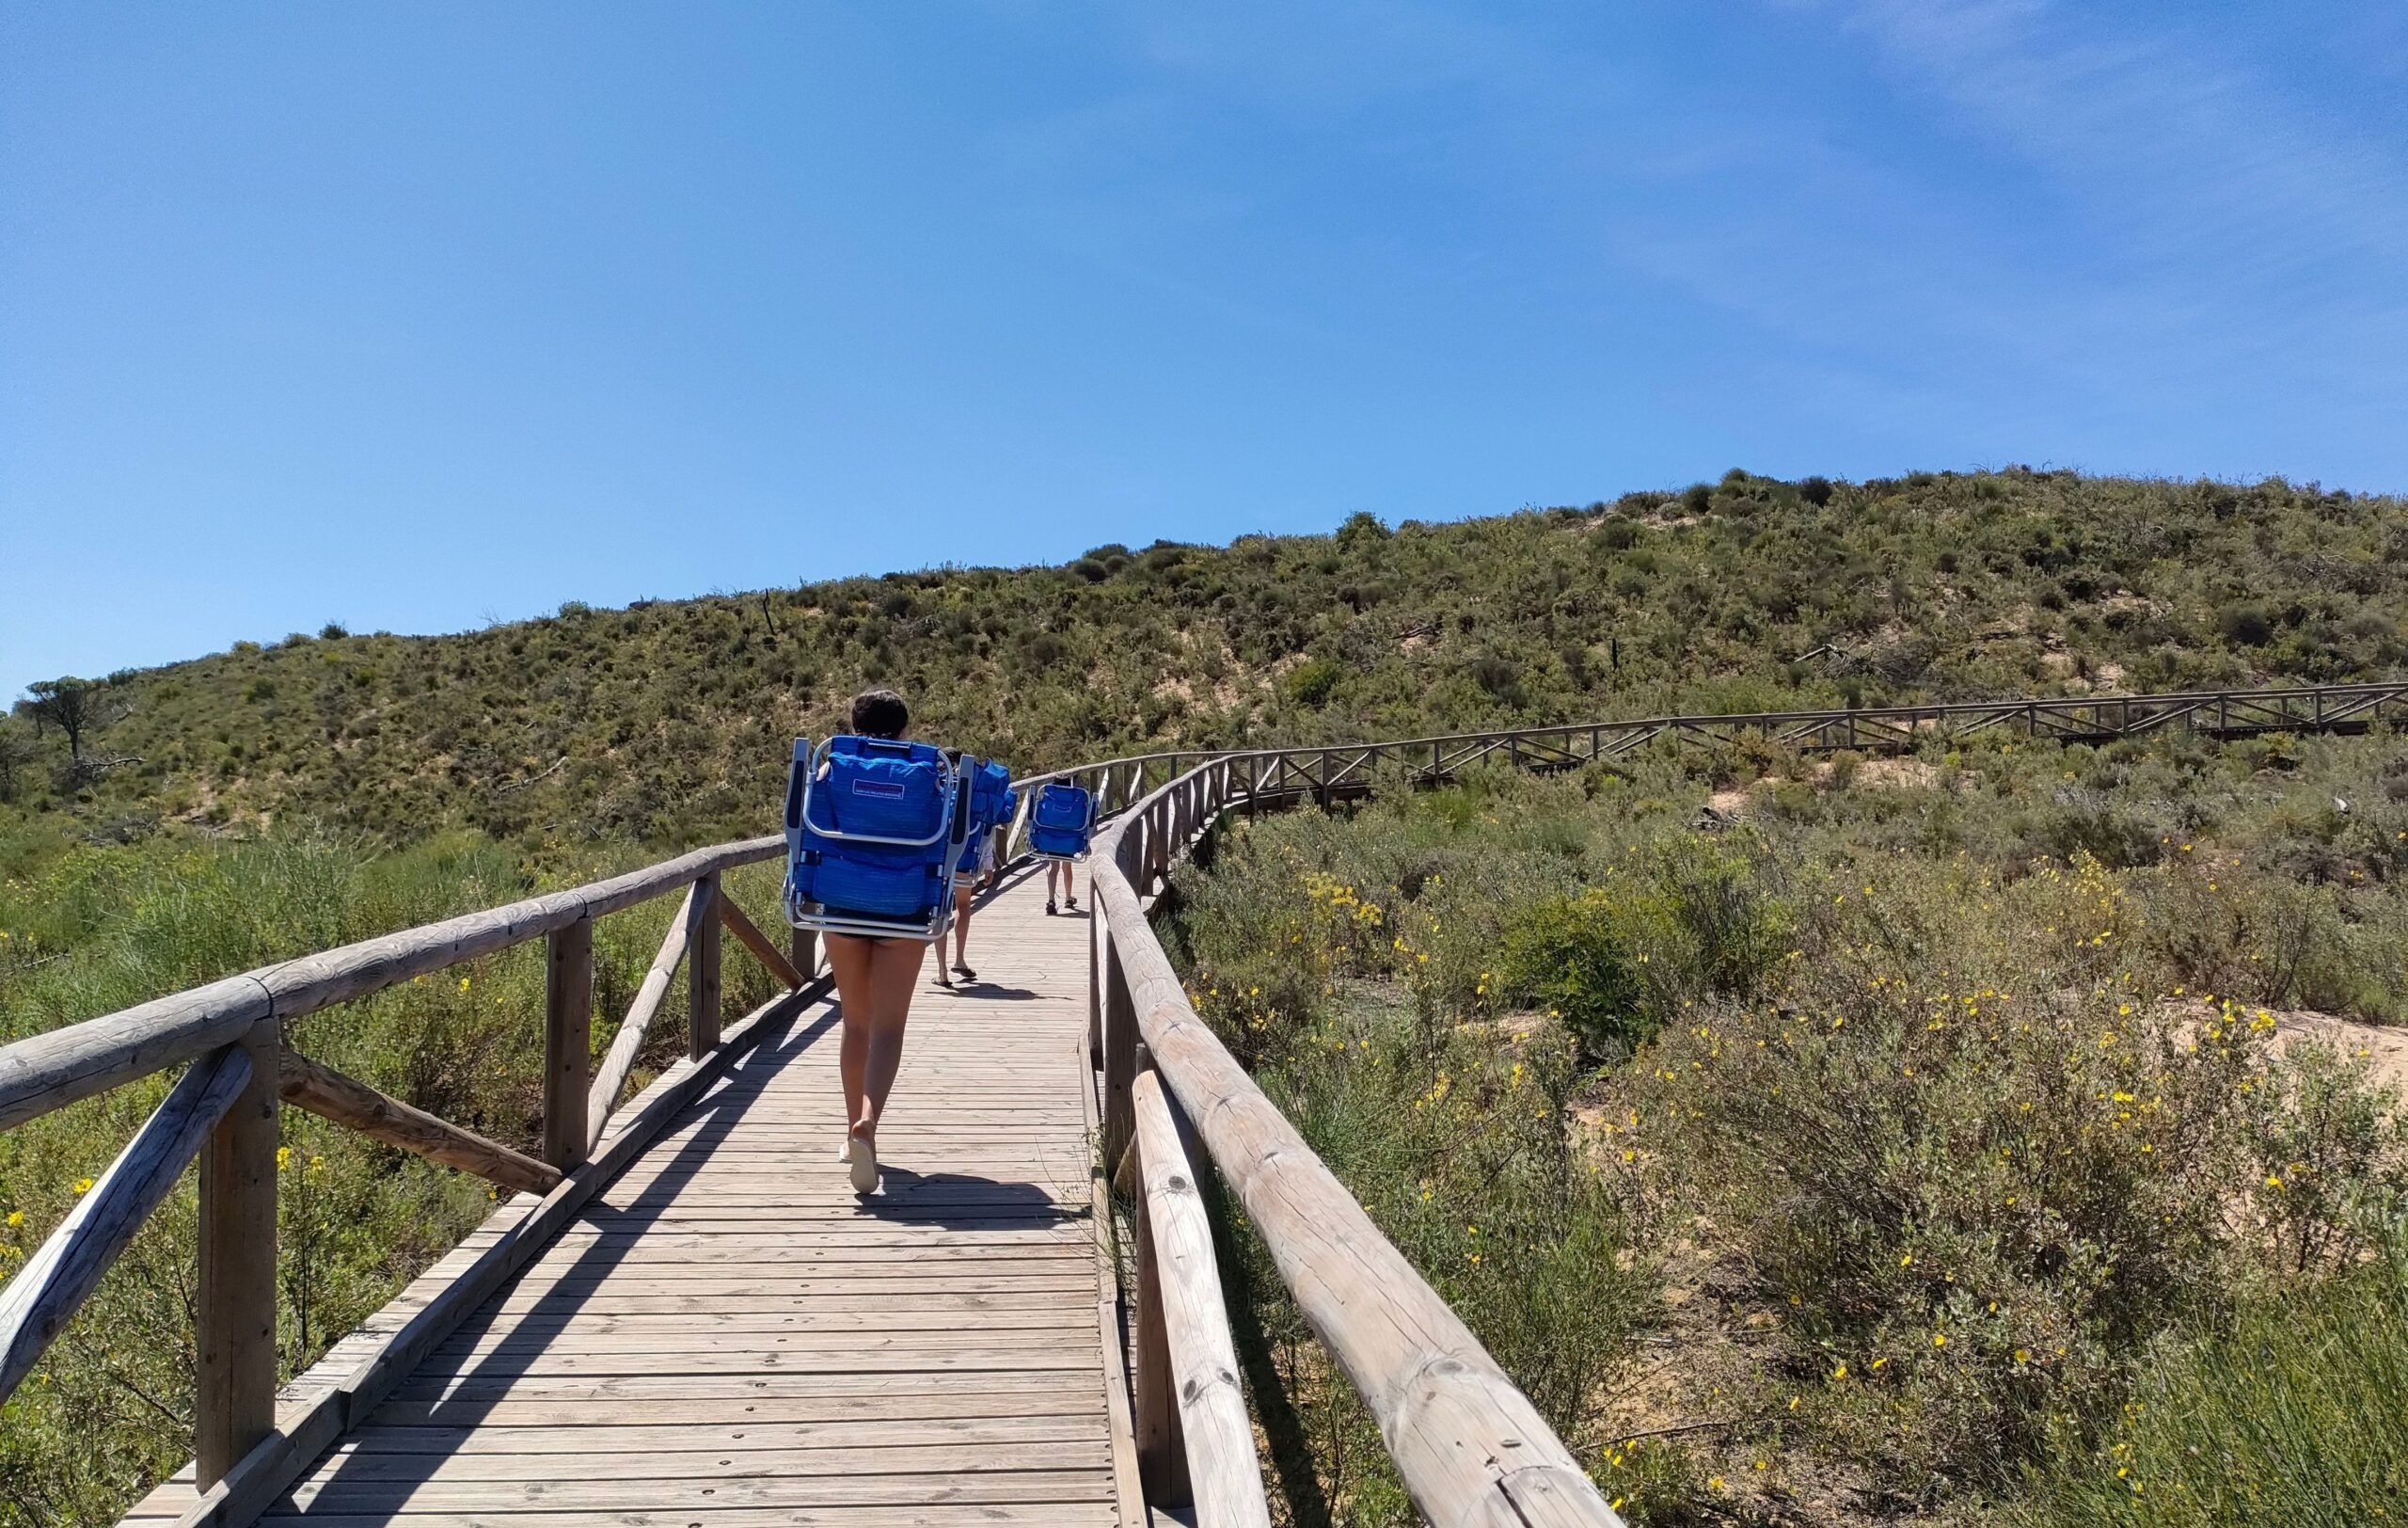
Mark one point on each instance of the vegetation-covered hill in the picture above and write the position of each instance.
(668, 721)
(2001, 1137)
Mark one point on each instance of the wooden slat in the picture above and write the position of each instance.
(355, 1106)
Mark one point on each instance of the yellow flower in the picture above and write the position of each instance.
(83, 1185)
(464, 983)
(1940, 1339)
(16, 1218)
(283, 1157)
(1840, 1373)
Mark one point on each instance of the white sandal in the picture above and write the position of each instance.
(861, 1158)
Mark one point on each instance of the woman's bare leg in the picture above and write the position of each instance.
(894, 970)
(963, 894)
(849, 959)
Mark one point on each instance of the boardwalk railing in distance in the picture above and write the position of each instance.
(1331, 772)
(223, 1110)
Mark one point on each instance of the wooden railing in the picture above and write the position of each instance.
(223, 1110)
(1330, 771)
(1470, 1447)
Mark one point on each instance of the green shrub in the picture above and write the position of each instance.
(1310, 682)
(1575, 958)
(2292, 1413)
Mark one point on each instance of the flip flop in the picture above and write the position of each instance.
(861, 1158)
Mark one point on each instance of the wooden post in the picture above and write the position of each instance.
(234, 1318)
(804, 947)
(1153, 1401)
(568, 1041)
(1120, 1048)
(1099, 934)
(702, 968)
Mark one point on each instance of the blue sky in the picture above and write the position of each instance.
(419, 316)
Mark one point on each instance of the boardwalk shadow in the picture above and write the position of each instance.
(964, 1200)
(358, 1485)
(996, 992)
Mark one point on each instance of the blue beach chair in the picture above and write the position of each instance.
(875, 833)
(1061, 822)
(992, 802)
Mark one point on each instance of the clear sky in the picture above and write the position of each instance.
(416, 316)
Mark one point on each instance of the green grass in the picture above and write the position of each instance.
(2293, 1414)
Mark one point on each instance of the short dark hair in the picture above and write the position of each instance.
(880, 713)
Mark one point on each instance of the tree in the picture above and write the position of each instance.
(75, 706)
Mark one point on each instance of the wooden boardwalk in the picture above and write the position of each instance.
(728, 1338)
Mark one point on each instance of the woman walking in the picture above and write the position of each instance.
(969, 879)
(874, 981)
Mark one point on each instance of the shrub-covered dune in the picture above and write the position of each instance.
(667, 721)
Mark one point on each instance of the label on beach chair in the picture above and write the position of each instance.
(877, 788)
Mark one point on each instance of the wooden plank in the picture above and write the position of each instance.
(588, 1436)
(722, 1387)
(987, 1514)
(354, 1467)
(942, 1405)
(353, 1104)
(612, 1490)
(1222, 1469)
(52, 1283)
(568, 1044)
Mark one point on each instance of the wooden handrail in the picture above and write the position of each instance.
(62, 1271)
(355, 1104)
(1470, 1447)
